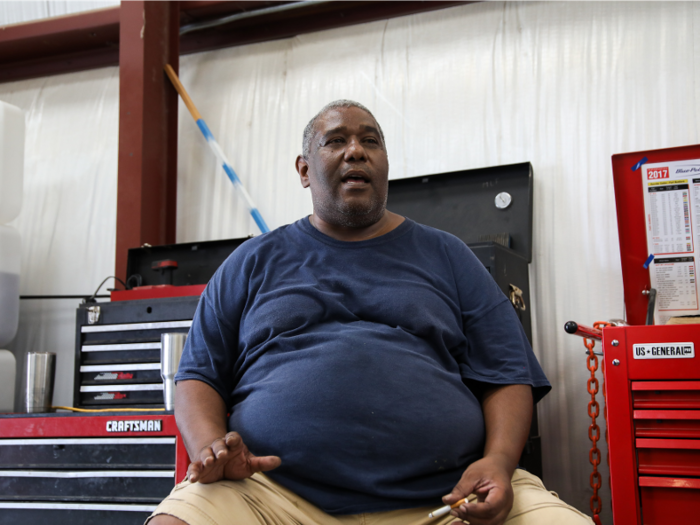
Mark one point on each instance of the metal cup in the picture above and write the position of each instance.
(41, 370)
(171, 346)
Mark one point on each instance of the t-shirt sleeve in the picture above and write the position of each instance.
(497, 351)
(211, 349)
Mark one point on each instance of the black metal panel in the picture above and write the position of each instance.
(126, 377)
(88, 456)
(507, 268)
(531, 458)
(462, 203)
(115, 396)
(142, 310)
(197, 261)
(133, 489)
(71, 517)
(122, 356)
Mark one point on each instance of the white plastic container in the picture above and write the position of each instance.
(11, 161)
(10, 257)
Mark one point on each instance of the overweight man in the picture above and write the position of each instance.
(356, 367)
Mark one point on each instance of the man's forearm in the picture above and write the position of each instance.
(200, 414)
(507, 416)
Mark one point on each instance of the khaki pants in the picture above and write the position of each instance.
(261, 501)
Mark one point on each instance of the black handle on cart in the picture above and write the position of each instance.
(572, 327)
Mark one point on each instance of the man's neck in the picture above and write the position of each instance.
(387, 223)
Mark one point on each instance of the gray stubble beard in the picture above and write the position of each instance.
(353, 216)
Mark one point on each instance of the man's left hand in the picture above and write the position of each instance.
(488, 479)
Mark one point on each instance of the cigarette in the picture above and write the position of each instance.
(446, 509)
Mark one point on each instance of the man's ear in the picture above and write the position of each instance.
(303, 171)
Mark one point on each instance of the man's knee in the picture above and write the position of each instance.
(165, 519)
(535, 505)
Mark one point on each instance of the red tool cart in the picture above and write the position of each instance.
(652, 373)
(81, 469)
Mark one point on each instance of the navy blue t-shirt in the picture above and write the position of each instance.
(348, 360)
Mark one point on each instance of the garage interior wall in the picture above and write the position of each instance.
(562, 85)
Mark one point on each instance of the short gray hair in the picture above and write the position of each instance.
(342, 103)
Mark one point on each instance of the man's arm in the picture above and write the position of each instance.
(201, 418)
(507, 416)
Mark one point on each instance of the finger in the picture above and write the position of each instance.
(480, 510)
(462, 490)
(264, 463)
(483, 491)
(219, 448)
(193, 471)
(206, 456)
(233, 440)
(486, 509)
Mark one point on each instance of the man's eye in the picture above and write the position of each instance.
(372, 140)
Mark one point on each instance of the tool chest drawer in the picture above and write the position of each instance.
(670, 500)
(44, 513)
(141, 486)
(148, 394)
(666, 394)
(668, 457)
(667, 424)
(123, 374)
(88, 453)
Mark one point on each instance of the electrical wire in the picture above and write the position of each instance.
(196, 26)
(82, 296)
(91, 299)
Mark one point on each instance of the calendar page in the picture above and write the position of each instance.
(672, 215)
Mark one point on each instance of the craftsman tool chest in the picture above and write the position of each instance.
(114, 468)
(652, 373)
(82, 470)
(490, 209)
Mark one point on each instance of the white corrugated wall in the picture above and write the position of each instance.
(562, 85)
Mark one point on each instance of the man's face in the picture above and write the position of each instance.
(347, 169)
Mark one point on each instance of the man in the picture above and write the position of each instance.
(370, 363)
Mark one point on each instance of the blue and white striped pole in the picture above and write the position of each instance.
(220, 156)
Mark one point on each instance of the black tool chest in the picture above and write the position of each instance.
(464, 203)
(117, 354)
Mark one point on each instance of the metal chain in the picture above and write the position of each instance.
(593, 429)
(600, 325)
(593, 413)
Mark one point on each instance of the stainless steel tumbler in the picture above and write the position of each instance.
(171, 346)
(41, 370)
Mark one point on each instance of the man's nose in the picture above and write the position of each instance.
(354, 150)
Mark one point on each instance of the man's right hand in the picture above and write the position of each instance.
(228, 458)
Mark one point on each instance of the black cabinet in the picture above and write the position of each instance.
(480, 207)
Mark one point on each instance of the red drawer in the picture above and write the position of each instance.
(669, 501)
(666, 394)
(668, 457)
(667, 423)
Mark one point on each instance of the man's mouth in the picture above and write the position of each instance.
(353, 179)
